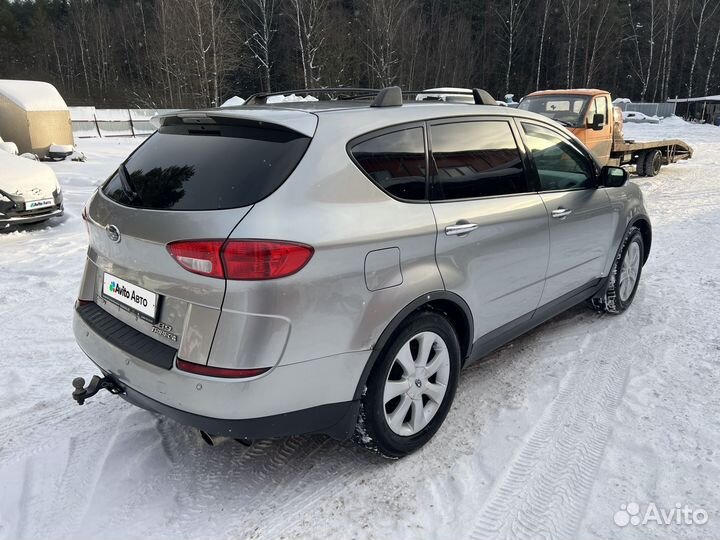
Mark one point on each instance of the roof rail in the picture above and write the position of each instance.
(260, 98)
(391, 96)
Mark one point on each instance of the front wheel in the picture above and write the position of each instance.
(411, 387)
(624, 275)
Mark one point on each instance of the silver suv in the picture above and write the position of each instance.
(329, 267)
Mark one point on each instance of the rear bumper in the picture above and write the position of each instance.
(316, 396)
(334, 419)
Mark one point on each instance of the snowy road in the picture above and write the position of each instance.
(547, 438)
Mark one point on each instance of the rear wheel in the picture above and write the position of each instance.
(652, 163)
(411, 387)
(640, 164)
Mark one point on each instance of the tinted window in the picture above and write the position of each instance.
(395, 162)
(181, 168)
(475, 159)
(560, 165)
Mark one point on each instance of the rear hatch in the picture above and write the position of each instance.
(195, 179)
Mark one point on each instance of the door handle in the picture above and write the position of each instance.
(561, 213)
(460, 229)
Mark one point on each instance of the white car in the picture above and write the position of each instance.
(29, 191)
(636, 117)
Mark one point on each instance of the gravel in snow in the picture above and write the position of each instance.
(548, 437)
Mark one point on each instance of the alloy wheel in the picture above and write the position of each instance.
(416, 383)
(629, 271)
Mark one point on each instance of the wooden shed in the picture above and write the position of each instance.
(34, 116)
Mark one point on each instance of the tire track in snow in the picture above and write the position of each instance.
(544, 491)
(311, 487)
(271, 483)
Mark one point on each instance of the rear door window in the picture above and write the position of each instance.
(395, 162)
(211, 167)
(475, 159)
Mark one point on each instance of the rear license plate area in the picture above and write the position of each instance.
(131, 297)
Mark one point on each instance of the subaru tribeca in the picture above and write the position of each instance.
(329, 267)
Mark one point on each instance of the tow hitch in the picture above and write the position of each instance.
(81, 392)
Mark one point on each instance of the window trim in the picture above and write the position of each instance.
(569, 139)
(532, 183)
(387, 131)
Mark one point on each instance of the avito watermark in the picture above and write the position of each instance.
(633, 514)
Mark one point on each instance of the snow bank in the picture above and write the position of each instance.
(620, 100)
(673, 121)
(9, 147)
(234, 101)
(33, 95)
(290, 99)
(460, 95)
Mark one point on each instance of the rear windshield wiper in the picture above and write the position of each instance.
(126, 183)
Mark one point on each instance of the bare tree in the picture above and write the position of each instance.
(311, 23)
(672, 14)
(574, 12)
(511, 20)
(643, 67)
(542, 43)
(712, 63)
(703, 16)
(599, 41)
(258, 17)
(382, 19)
(648, 70)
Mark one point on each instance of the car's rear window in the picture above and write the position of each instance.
(209, 167)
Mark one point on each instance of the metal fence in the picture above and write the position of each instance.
(88, 122)
(650, 109)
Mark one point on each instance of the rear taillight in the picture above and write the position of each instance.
(199, 256)
(241, 259)
(259, 259)
(226, 373)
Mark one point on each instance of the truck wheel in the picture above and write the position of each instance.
(640, 164)
(652, 162)
(411, 387)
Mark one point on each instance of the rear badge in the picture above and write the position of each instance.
(164, 330)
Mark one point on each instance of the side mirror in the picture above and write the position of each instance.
(598, 122)
(613, 176)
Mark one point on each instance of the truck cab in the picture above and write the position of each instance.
(587, 113)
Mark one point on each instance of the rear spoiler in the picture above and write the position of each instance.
(294, 120)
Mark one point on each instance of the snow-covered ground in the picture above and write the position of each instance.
(547, 438)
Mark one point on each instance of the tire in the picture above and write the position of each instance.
(409, 417)
(622, 287)
(652, 163)
(640, 164)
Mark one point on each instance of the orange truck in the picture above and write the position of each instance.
(592, 118)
